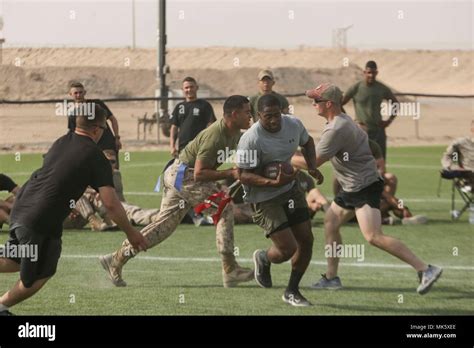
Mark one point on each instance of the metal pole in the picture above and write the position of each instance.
(133, 24)
(1, 51)
(162, 63)
(417, 134)
(2, 40)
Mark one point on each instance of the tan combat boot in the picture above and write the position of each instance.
(233, 273)
(96, 223)
(113, 269)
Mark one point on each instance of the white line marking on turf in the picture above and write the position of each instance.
(419, 200)
(148, 164)
(215, 259)
(409, 166)
(390, 165)
(159, 163)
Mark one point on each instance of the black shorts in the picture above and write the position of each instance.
(42, 259)
(281, 212)
(370, 195)
(107, 141)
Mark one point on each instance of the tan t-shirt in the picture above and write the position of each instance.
(459, 154)
(347, 146)
(213, 146)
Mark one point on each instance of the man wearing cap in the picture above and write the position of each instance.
(265, 86)
(367, 96)
(347, 147)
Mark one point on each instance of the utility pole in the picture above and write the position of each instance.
(2, 40)
(162, 68)
(133, 24)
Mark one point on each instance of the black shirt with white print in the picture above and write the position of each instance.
(191, 118)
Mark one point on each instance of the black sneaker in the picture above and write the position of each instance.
(263, 276)
(294, 298)
(6, 313)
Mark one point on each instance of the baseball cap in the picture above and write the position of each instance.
(325, 91)
(265, 73)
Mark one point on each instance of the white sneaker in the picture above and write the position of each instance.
(415, 220)
(428, 278)
(391, 220)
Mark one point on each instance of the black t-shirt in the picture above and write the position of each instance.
(107, 141)
(73, 163)
(191, 118)
(6, 183)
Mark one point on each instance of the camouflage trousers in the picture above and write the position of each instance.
(86, 205)
(139, 216)
(85, 208)
(175, 205)
(90, 203)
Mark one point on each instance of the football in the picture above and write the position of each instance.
(272, 169)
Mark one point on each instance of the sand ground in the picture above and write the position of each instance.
(43, 73)
(33, 128)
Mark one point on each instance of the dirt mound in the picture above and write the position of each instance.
(422, 71)
(103, 82)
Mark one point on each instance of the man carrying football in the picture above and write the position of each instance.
(280, 206)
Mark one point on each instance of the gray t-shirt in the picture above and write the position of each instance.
(347, 146)
(258, 147)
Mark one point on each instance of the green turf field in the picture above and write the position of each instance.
(182, 275)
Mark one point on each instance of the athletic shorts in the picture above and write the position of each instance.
(380, 137)
(107, 141)
(370, 195)
(286, 210)
(42, 260)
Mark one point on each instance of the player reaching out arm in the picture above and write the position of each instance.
(190, 180)
(117, 213)
(73, 163)
(347, 147)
